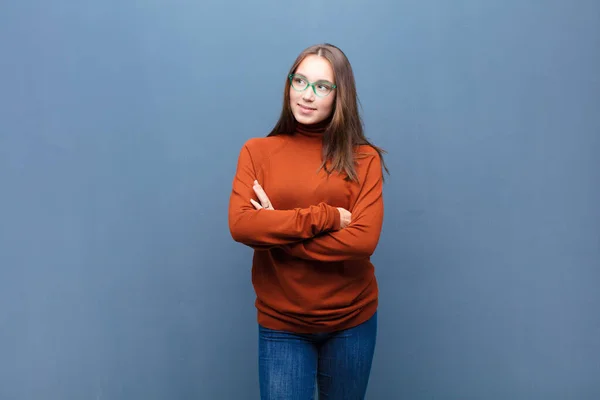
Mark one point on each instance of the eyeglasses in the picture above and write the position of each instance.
(321, 88)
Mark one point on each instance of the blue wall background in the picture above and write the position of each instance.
(120, 126)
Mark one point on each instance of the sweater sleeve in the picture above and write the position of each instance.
(263, 229)
(359, 239)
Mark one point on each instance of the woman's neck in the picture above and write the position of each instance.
(316, 129)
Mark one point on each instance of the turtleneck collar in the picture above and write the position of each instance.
(313, 130)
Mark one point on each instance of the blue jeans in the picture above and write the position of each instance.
(289, 363)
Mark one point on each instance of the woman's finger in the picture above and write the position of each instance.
(260, 193)
(262, 196)
(255, 204)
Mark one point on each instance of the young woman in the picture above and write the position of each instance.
(308, 199)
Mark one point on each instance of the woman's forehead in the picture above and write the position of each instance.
(316, 68)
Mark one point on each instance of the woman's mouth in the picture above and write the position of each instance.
(306, 108)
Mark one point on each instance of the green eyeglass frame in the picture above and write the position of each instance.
(292, 76)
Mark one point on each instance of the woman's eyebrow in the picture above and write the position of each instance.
(318, 80)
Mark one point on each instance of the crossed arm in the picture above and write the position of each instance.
(315, 233)
(264, 228)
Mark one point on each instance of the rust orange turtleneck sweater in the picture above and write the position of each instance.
(309, 275)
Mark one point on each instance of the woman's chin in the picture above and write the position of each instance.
(307, 120)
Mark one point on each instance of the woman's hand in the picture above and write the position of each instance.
(265, 203)
(345, 217)
(262, 197)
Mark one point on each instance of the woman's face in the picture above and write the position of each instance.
(307, 107)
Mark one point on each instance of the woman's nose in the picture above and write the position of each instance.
(308, 94)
